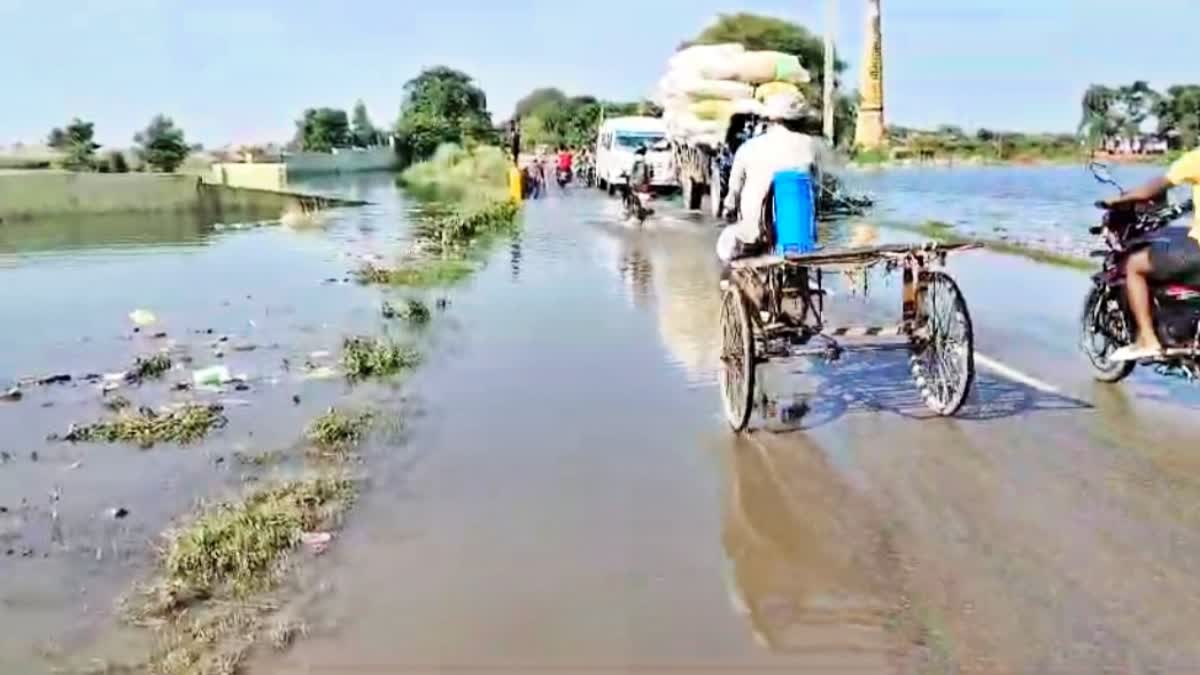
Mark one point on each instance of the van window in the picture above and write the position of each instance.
(633, 141)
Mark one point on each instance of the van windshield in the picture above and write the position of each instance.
(632, 141)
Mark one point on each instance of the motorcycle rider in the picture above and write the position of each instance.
(640, 178)
(1173, 255)
(779, 148)
(565, 163)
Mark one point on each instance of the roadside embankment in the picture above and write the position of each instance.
(29, 195)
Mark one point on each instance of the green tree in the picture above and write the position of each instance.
(161, 144)
(442, 105)
(537, 99)
(1097, 122)
(364, 132)
(1132, 106)
(322, 130)
(57, 138)
(115, 160)
(1178, 113)
(78, 143)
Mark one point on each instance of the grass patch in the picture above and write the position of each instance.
(146, 367)
(413, 311)
(336, 432)
(208, 601)
(364, 357)
(185, 424)
(944, 233)
(421, 274)
(460, 174)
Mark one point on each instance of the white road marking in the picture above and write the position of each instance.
(1014, 374)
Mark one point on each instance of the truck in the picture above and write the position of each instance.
(703, 167)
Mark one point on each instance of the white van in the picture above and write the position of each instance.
(616, 143)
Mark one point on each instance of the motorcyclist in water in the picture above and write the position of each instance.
(1174, 255)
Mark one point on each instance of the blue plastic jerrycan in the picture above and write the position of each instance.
(795, 213)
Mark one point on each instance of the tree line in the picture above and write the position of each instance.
(160, 146)
(1122, 113)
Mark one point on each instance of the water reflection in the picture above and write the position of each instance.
(801, 553)
(76, 233)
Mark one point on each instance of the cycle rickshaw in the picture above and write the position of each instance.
(773, 307)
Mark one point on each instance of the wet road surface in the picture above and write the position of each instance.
(571, 501)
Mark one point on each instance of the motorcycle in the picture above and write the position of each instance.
(563, 176)
(635, 202)
(1107, 322)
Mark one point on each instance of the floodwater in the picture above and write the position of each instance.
(565, 496)
(1049, 207)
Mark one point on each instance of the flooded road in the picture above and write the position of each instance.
(567, 497)
(574, 503)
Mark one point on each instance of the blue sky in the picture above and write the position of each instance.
(242, 70)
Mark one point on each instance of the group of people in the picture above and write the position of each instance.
(538, 171)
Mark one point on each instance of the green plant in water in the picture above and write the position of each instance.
(336, 432)
(413, 311)
(229, 554)
(420, 274)
(150, 366)
(186, 424)
(364, 357)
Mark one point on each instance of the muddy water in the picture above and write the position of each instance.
(273, 294)
(574, 503)
(565, 498)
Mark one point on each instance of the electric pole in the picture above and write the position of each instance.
(829, 77)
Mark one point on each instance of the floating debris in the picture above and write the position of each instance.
(116, 403)
(11, 394)
(213, 376)
(184, 424)
(375, 357)
(61, 378)
(142, 318)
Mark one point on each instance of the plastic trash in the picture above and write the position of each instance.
(142, 317)
(211, 376)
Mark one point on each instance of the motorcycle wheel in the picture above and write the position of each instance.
(1103, 332)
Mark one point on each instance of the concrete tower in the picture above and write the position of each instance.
(870, 132)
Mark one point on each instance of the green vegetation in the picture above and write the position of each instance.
(413, 311)
(441, 105)
(949, 142)
(206, 603)
(454, 173)
(185, 424)
(549, 117)
(152, 366)
(362, 131)
(1111, 114)
(114, 162)
(423, 273)
(77, 143)
(161, 145)
(335, 433)
(322, 130)
(364, 357)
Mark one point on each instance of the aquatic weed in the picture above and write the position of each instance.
(364, 357)
(413, 311)
(418, 273)
(185, 424)
(208, 601)
(336, 432)
(149, 367)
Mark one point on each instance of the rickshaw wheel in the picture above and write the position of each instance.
(943, 348)
(737, 358)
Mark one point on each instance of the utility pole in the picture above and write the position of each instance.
(830, 59)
